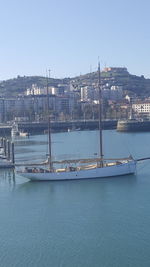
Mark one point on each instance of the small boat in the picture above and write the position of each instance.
(15, 131)
(82, 168)
(73, 129)
(23, 134)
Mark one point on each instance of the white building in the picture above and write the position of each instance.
(115, 69)
(87, 93)
(141, 107)
(35, 90)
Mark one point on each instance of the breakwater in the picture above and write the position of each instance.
(58, 126)
(133, 126)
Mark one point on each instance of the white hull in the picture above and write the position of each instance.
(23, 134)
(124, 168)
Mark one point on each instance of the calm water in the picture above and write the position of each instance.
(104, 222)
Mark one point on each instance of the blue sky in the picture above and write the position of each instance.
(68, 36)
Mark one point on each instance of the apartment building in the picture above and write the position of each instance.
(87, 93)
(31, 105)
(141, 107)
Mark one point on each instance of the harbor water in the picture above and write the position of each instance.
(99, 223)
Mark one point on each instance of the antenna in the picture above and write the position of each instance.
(49, 72)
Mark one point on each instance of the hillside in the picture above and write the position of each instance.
(131, 83)
(19, 85)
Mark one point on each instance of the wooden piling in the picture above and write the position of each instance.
(1, 141)
(4, 145)
(12, 153)
(8, 149)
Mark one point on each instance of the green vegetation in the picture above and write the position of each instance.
(19, 85)
(130, 83)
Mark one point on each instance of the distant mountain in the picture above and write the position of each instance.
(111, 76)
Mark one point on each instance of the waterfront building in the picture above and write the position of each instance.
(32, 105)
(64, 104)
(142, 107)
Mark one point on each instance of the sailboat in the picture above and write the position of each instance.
(84, 168)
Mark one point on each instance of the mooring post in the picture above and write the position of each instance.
(12, 153)
(4, 144)
(8, 149)
(1, 141)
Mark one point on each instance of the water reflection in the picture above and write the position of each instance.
(7, 178)
(29, 142)
(98, 186)
(76, 223)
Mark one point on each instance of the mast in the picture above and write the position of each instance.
(100, 117)
(49, 132)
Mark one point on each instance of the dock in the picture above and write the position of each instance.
(133, 126)
(57, 126)
(60, 126)
(7, 159)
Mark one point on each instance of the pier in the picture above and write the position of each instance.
(58, 126)
(133, 126)
(7, 159)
